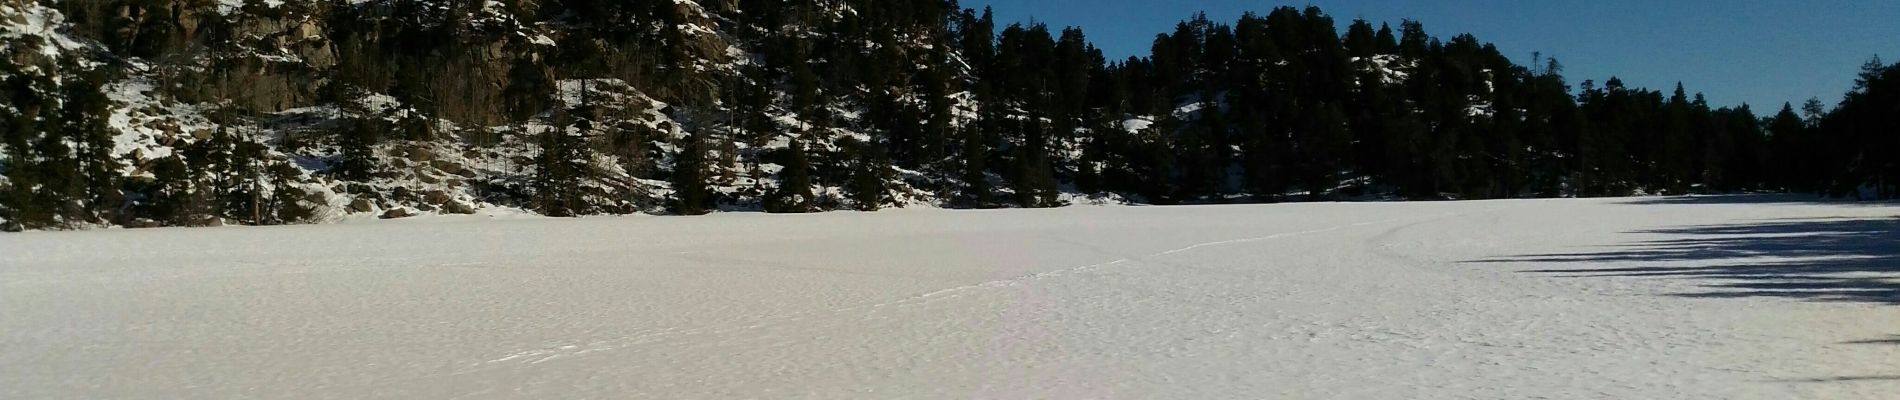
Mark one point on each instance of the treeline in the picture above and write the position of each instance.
(59, 168)
(1283, 107)
(1848, 151)
(856, 104)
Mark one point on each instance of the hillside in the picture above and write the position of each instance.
(205, 112)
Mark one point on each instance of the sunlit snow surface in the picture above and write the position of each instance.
(1716, 298)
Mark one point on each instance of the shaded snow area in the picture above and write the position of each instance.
(1694, 298)
(37, 26)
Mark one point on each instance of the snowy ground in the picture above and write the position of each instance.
(1717, 298)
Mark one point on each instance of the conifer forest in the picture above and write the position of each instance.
(143, 113)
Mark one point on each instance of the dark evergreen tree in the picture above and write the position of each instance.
(692, 194)
(975, 176)
(1791, 164)
(869, 171)
(287, 201)
(794, 193)
(562, 166)
(356, 146)
(1858, 133)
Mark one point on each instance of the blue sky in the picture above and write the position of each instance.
(1762, 52)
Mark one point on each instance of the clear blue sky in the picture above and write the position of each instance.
(1762, 52)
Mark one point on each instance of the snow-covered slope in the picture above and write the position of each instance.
(1701, 298)
(293, 77)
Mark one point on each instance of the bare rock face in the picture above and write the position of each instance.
(453, 168)
(143, 223)
(362, 206)
(418, 154)
(456, 207)
(446, 166)
(317, 197)
(437, 197)
(398, 214)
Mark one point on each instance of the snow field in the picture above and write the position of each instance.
(1447, 300)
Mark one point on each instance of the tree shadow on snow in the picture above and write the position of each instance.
(1821, 260)
(1746, 199)
(1848, 379)
(1832, 260)
(1895, 340)
(1824, 260)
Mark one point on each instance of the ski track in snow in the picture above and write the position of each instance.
(542, 355)
(1453, 300)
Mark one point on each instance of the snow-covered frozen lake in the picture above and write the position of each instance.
(1716, 298)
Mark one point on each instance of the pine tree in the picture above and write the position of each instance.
(561, 166)
(1789, 135)
(1857, 132)
(356, 143)
(286, 200)
(794, 189)
(975, 177)
(1033, 179)
(1361, 41)
(18, 205)
(691, 192)
(86, 111)
(937, 81)
(867, 185)
(25, 204)
(1386, 41)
